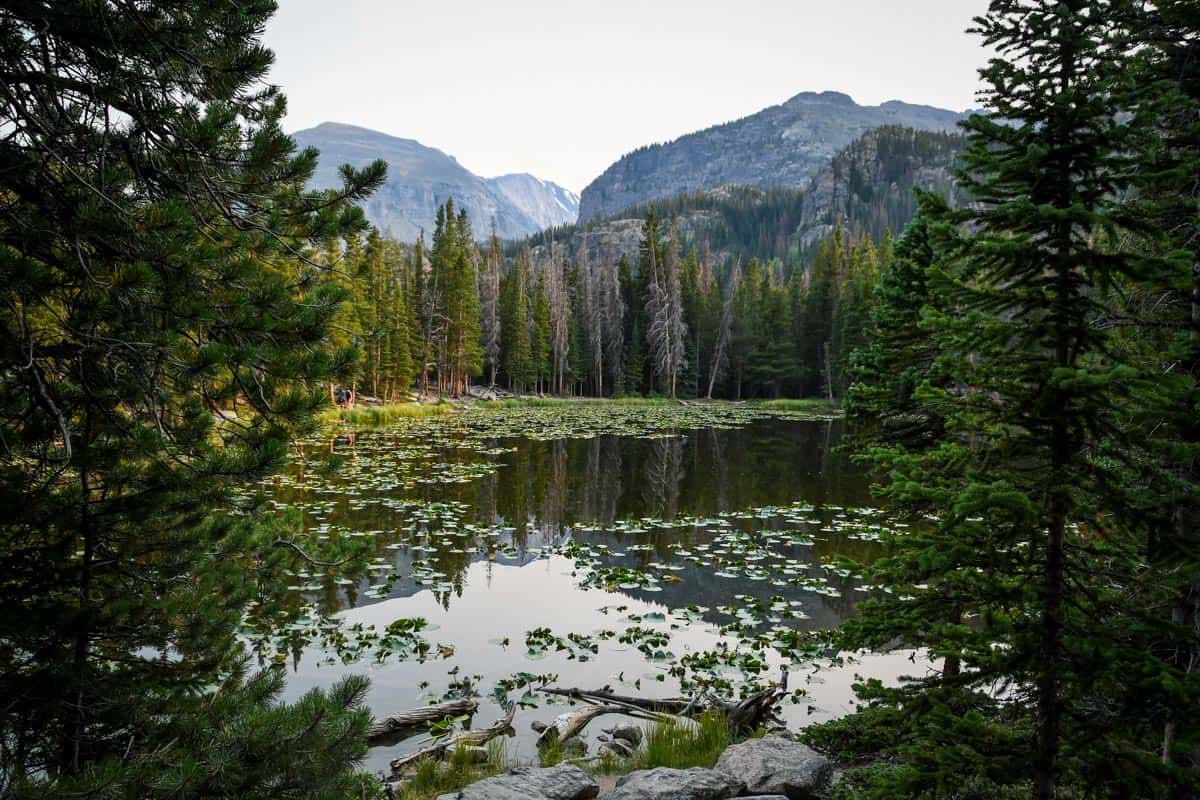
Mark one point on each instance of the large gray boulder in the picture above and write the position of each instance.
(664, 783)
(775, 765)
(563, 782)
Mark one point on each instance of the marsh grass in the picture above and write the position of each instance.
(670, 745)
(563, 402)
(808, 404)
(433, 778)
(370, 416)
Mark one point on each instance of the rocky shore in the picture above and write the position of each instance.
(774, 767)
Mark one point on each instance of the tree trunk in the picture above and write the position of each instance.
(73, 740)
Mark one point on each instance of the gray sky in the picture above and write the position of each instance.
(563, 88)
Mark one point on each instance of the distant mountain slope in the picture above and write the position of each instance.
(784, 145)
(868, 185)
(421, 178)
(543, 201)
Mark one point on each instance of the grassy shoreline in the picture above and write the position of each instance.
(367, 416)
(667, 744)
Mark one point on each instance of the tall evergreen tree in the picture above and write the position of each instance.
(489, 301)
(634, 304)
(516, 344)
(166, 318)
(1036, 533)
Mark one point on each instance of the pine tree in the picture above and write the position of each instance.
(815, 315)
(899, 354)
(1160, 325)
(420, 309)
(634, 304)
(489, 301)
(398, 322)
(464, 354)
(744, 328)
(517, 353)
(612, 324)
(1036, 532)
(163, 268)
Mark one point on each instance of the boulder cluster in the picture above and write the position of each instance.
(772, 768)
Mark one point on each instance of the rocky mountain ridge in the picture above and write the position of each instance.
(784, 145)
(867, 185)
(421, 178)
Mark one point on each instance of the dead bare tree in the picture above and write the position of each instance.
(666, 330)
(720, 357)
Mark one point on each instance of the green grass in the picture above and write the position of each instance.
(668, 744)
(368, 416)
(792, 404)
(559, 402)
(432, 778)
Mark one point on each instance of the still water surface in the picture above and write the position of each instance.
(645, 545)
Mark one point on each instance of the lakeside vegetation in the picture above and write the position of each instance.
(381, 415)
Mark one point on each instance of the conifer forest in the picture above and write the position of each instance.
(835, 452)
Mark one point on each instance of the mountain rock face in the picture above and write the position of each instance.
(421, 178)
(784, 145)
(868, 184)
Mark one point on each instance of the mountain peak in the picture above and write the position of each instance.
(420, 178)
(825, 98)
(784, 145)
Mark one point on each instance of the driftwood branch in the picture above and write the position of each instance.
(601, 696)
(306, 556)
(464, 739)
(572, 723)
(758, 708)
(747, 714)
(389, 730)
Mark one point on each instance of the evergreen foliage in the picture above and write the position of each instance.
(168, 325)
(1018, 407)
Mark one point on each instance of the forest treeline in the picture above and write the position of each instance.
(670, 321)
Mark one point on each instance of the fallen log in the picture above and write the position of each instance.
(601, 696)
(572, 723)
(745, 715)
(465, 739)
(389, 730)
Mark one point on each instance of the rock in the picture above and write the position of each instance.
(562, 782)
(574, 745)
(664, 783)
(630, 733)
(617, 747)
(538, 726)
(775, 765)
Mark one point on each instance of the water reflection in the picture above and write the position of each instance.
(463, 529)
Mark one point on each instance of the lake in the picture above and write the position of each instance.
(658, 550)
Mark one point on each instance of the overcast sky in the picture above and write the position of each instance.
(562, 89)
